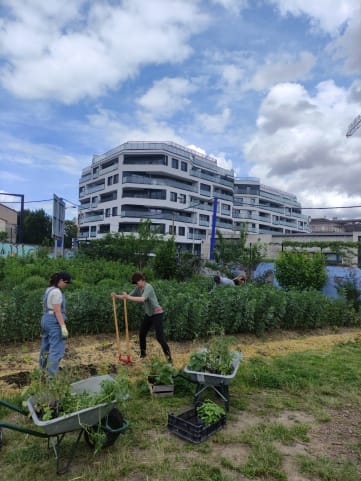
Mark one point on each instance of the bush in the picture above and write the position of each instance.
(301, 270)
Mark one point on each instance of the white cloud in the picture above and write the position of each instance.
(281, 68)
(329, 15)
(113, 131)
(300, 145)
(347, 46)
(216, 123)
(167, 96)
(234, 6)
(83, 54)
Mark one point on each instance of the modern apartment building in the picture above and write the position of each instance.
(182, 192)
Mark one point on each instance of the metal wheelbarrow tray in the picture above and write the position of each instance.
(215, 379)
(103, 416)
(74, 421)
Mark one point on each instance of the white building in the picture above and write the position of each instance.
(182, 192)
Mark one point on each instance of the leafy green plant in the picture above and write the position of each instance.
(301, 270)
(54, 397)
(209, 412)
(216, 358)
(160, 372)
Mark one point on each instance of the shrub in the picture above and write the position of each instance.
(301, 270)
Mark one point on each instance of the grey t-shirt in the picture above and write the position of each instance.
(151, 303)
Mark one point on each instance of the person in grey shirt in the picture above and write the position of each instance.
(153, 313)
(223, 281)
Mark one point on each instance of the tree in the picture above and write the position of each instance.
(70, 232)
(165, 260)
(301, 270)
(37, 227)
(230, 251)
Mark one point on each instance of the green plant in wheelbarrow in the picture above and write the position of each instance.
(215, 358)
(54, 399)
(54, 396)
(209, 412)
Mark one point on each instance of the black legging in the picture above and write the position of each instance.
(157, 321)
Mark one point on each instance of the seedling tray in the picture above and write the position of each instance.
(74, 421)
(189, 427)
(215, 379)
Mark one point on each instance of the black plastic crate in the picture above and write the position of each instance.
(188, 426)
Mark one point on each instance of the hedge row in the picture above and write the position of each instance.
(192, 309)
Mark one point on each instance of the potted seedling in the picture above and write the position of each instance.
(160, 378)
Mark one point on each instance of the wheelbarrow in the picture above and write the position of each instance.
(103, 417)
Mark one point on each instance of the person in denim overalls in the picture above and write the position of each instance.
(53, 328)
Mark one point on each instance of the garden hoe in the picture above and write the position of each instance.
(120, 357)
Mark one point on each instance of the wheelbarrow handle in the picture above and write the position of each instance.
(13, 407)
(21, 429)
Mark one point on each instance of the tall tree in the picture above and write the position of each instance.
(37, 227)
(70, 232)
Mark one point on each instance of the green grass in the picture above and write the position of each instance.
(313, 383)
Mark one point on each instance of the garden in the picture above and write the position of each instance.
(294, 400)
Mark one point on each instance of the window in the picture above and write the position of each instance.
(114, 211)
(184, 166)
(205, 188)
(107, 212)
(175, 163)
(113, 179)
(181, 231)
(172, 230)
(182, 198)
(173, 196)
(104, 228)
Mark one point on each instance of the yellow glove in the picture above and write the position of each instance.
(64, 331)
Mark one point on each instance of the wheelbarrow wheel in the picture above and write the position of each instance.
(114, 421)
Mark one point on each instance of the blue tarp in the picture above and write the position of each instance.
(336, 275)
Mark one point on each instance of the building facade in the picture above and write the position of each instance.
(182, 192)
(8, 222)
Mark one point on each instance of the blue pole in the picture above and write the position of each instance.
(213, 234)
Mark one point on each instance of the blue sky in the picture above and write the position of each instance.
(268, 87)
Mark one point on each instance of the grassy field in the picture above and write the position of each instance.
(293, 416)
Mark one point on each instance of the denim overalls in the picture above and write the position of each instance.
(52, 344)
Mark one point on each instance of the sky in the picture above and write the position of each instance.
(268, 87)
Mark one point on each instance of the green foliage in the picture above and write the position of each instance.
(349, 289)
(216, 358)
(165, 261)
(160, 372)
(54, 398)
(70, 232)
(37, 227)
(230, 251)
(300, 270)
(209, 412)
(191, 308)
